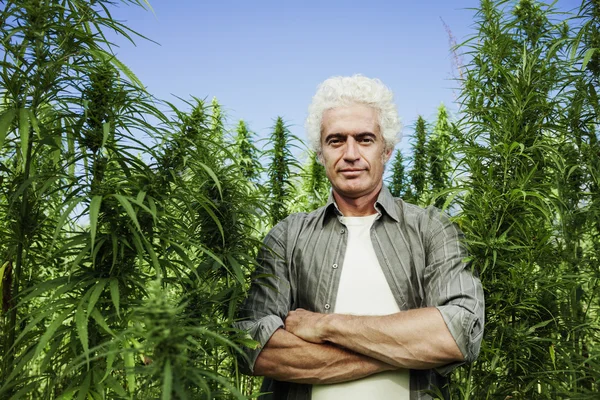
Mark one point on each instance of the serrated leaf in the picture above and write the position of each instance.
(95, 295)
(127, 71)
(101, 321)
(5, 120)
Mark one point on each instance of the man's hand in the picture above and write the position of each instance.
(307, 325)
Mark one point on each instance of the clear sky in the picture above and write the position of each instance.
(264, 59)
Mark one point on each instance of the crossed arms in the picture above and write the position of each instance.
(330, 348)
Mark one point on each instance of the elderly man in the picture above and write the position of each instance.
(368, 297)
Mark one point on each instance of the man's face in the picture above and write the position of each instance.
(353, 150)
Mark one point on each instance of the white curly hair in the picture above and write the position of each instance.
(341, 91)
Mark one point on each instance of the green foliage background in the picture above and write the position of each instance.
(128, 245)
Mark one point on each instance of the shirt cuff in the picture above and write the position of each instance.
(467, 331)
(261, 331)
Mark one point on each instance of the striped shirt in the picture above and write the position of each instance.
(422, 258)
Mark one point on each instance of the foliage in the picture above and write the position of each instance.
(398, 184)
(281, 171)
(521, 184)
(311, 188)
(246, 153)
(418, 173)
(122, 263)
(90, 224)
(440, 157)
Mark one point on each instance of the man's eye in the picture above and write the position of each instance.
(366, 140)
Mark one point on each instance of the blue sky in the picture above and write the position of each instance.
(264, 59)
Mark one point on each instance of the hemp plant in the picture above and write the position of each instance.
(514, 143)
(281, 170)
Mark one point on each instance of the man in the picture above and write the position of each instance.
(367, 297)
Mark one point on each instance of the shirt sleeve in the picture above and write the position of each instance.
(269, 298)
(453, 287)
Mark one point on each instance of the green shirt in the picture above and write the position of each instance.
(422, 258)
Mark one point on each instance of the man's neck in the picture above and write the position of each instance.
(357, 207)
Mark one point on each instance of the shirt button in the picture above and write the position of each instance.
(334, 266)
(327, 306)
(343, 231)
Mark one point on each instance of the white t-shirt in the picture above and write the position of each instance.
(364, 290)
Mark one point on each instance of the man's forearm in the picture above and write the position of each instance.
(415, 339)
(288, 358)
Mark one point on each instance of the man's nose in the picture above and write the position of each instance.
(351, 152)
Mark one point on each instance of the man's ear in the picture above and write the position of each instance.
(387, 154)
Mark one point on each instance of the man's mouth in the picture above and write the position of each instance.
(351, 172)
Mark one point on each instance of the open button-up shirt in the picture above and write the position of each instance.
(422, 258)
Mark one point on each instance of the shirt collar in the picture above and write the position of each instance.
(385, 204)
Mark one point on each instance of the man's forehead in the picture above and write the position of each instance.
(350, 121)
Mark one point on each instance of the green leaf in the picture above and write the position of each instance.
(2, 280)
(167, 387)
(536, 326)
(248, 342)
(103, 55)
(237, 269)
(212, 174)
(586, 58)
(105, 133)
(101, 321)
(94, 211)
(81, 323)
(114, 294)
(5, 120)
(34, 121)
(111, 355)
(128, 359)
(114, 385)
(84, 387)
(24, 134)
(49, 333)
(129, 209)
(95, 295)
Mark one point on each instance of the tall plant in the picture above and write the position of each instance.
(511, 130)
(418, 172)
(399, 182)
(312, 190)
(281, 170)
(440, 157)
(246, 152)
(90, 225)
